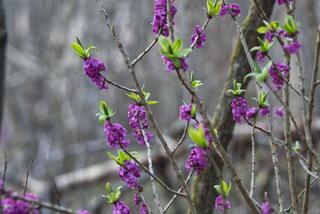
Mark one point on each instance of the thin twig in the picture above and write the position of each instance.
(183, 137)
(154, 186)
(119, 86)
(141, 55)
(27, 177)
(175, 196)
(5, 168)
(170, 20)
(253, 158)
(275, 162)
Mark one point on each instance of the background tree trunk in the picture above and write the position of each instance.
(203, 191)
(3, 41)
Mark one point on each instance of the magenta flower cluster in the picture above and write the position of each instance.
(171, 67)
(233, 9)
(116, 135)
(261, 56)
(265, 207)
(129, 173)
(239, 107)
(197, 160)
(160, 17)
(137, 117)
(292, 47)
(12, 206)
(185, 112)
(278, 73)
(92, 68)
(120, 207)
(198, 36)
(221, 203)
(283, 1)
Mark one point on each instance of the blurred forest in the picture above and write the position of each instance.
(50, 108)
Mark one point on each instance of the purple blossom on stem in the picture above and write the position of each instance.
(185, 112)
(197, 160)
(280, 2)
(129, 173)
(160, 17)
(251, 112)
(293, 47)
(92, 68)
(239, 107)
(136, 198)
(144, 209)
(12, 206)
(232, 9)
(171, 67)
(260, 56)
(278, 72)
(279, 111)
(221, 203)
(116, 135)
(137, 117)
(198, 36)
(81, 211)
(265, 208)
(264, 111)
(120, 207)
(269, 35)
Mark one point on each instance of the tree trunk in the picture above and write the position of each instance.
(203, 192)
(3, 42)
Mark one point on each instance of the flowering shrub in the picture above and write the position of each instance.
(272, 77)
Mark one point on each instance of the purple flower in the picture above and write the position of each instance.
(185, 112)
(264, 111)
(278, 72)
(136, 198)
(265, 207)
(260, 56)
(283, 1)
(197, 160)
(160, 17)
(92, 68)
(293, 47)
(120, 207)
(269, 36)
(233, 9)
(137, 117)
(239, 107)
(279, 111)
(129, 173)
(251, 113)
(116, 135)
(144, 209)
(198, 36)
(12, 206)
(221, 204)
(171, 67)
(81, 211)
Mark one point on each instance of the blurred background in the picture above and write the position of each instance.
(50, 106)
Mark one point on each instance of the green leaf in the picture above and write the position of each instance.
(102, 118)
(112, 157)
(249, 75)
(108, 187)
(256, 48)
(103, 107)
(262, 30)
(152, 102)
(198, 136)
(193, 110)
(146, 95)
(78, 50)
(177, 45)
(134, 96)
(177, 63)
(164, 43)
(224, 187)
(196, 83)
(183, 52)
(218, 189)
